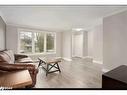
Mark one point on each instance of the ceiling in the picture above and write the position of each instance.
(58, 18)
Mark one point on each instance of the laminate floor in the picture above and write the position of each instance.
(77, 73)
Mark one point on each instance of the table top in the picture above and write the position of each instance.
(50, 60)
(16, 79)
(119, 73)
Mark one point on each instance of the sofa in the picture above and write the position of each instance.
(13, 62)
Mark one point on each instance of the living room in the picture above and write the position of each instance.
(80, 42)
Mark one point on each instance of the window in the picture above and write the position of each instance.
(36, 42)
(50, 42)
(25, 42)
(39, 42)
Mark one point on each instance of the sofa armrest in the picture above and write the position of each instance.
(20, 56)
(13, 67)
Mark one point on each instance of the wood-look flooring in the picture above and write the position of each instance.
(77, 73)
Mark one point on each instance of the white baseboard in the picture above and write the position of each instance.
(87, 57)
(105, 70)
(67, 59)
(99, 62)
(91, 59)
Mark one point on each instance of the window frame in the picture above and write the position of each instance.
(54, 42)
(33, 43)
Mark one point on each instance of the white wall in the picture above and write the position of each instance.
(12, 41)
(95, 43)
(90, 43)
(2, 33)
(67, 45)
(12, 38)
(85, 43)
(115, 40)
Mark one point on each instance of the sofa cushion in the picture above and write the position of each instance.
(24, 60)
(7, 56)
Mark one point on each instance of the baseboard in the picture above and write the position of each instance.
(105, 70)
(99, 62)
(87, 57)
(67, 59)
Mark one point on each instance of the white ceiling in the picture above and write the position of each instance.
(59, 18)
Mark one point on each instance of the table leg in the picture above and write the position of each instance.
(58, 67)
(39, 64)
(47, 70)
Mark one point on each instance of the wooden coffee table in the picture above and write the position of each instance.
(50, 63)
(16, 79)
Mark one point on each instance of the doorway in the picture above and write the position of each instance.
(77, 44)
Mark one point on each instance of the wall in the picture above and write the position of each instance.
(95, 43)
(85, 43)
(115, 40)
(12, 38)
(67, 45)
(2, 34)
(12, 41)
(90, 43)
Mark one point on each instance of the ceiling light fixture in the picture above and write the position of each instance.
(77, 29)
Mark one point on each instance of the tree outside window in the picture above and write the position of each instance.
(25, 42)
(50, 42)
(39, 42)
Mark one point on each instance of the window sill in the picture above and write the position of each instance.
(33, 54)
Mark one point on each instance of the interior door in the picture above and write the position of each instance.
(78, 45)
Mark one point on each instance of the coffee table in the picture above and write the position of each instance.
(15, 79)
(50, 63)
